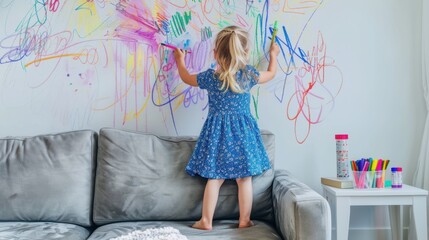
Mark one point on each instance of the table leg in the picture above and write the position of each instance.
(342, 209)
(396, 225)
(331, 202)
(418, 222)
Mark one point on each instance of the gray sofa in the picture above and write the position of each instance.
(88, 185)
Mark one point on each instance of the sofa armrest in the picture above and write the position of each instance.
(300, 212)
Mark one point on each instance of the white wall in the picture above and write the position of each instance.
(371, 87)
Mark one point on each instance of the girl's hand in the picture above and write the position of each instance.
(274, 50)
(179, 55)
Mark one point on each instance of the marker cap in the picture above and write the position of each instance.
(341, 136)
(275, 25)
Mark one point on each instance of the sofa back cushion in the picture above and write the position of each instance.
(48, 177)
(142, 177)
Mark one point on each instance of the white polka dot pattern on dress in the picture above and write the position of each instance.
(230, 145)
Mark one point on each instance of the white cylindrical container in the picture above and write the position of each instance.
(396, 177)
(342, 155)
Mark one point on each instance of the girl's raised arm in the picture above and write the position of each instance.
(265, 76)
(187, 78)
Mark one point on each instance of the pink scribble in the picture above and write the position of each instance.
(53, 5)
(312, 95)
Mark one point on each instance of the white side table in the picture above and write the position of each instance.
(340, 200)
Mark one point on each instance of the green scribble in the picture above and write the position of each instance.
(206, 33)
(41, 19)
(173, 27)
(23, 66)
(223, 23)
(258, 35)
(188, 17)
(181, 22)
(81, 7)
(255, 103)
(175, 24)
(178, 22)
(253, 11)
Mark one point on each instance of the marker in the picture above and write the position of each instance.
(172, 47)
(273, 37)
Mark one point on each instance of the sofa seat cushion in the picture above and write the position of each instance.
(222, 230)
(41, 231)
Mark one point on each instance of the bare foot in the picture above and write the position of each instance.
(246, 224)
(201, 225)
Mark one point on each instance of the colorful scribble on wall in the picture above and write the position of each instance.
(91, 56)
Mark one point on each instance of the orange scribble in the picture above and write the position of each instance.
(299, 7)
(75, 55)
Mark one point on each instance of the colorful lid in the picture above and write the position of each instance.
(396, 169)
(341, 136)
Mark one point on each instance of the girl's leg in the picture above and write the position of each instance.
(211, 194)
(245, 200)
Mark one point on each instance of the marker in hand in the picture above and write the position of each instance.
(173, 47)
(273, 37)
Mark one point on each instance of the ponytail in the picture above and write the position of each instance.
(232, 55)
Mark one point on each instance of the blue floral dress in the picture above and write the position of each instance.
(230, 145)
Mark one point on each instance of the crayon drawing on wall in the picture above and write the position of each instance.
(94, 63)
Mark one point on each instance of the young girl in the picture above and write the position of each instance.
(229, 145)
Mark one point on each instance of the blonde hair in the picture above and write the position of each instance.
(232, 53)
